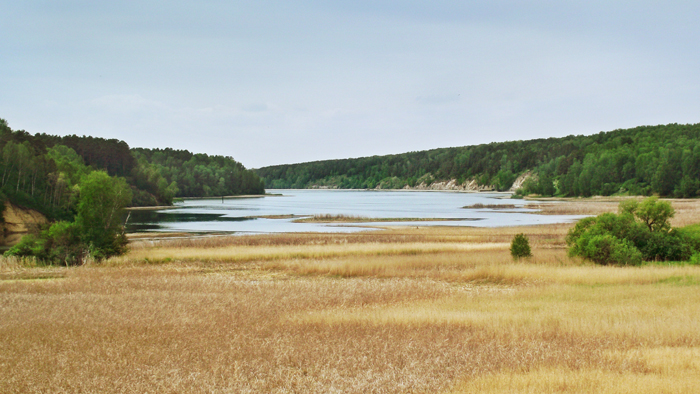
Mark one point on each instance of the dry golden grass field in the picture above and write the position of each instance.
(405, 310)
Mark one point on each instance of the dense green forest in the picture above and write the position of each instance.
(645, 160)
(44, 172)
(198, 175)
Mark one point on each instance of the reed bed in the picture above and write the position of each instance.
(687, 210)
(328, 218)
(12, 263)
(235, 254)
(574, 207)
(552, 234)
(204, 327)
(490, 206)
(494, 266)
(668, 317)
(681, 379)
(24, 268)
(405, 310)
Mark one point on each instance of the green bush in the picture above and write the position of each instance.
(641, 231)
(621, 227)
(692, 235)
(27, 246)
(63, 244)
(607, 249)
(59, 243)
(671, 246)
(695, 259)
(520, 247)
(97, 231)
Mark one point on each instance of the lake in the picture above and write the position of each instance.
(247, 215)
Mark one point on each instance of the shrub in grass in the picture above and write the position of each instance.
(58, 244)
(520, 247)
(607, 249)
(29, 245)
(671, 246)
(641, 231)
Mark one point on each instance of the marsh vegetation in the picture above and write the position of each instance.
(401, 310)
(330, 218)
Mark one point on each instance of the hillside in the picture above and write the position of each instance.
(645, 160)
(43, 172)
(199, 175)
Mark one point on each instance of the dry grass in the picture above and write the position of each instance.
(687, 210)
(327, 218)
(490, 206)
(665, 370)
(551, 234)
(403, 310)
(668, 316)
(233, 254)
(13, 268)
(574, 208)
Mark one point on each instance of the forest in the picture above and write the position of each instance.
(44, 172)
(197, 175)
(645, 160)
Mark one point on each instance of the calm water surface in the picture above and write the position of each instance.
(241, 215)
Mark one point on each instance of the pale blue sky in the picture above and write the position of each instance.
(272, 82)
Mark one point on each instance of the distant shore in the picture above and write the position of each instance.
(232, 197)
(159, 207)
(409, 190)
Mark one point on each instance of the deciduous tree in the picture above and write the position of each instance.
(102, 200)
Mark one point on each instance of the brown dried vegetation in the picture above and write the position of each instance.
(687, 210)
(328, 218)
(402, 310)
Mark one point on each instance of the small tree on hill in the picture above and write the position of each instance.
(520, 247)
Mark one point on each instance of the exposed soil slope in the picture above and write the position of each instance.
(18, 222)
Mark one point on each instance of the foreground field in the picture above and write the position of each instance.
(435, 310)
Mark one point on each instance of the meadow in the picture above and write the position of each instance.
(402, 310)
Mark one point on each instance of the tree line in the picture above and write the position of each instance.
(83, 183)
(645, 160)
(44, 171)
(197, 175)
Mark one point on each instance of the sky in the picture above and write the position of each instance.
(277, 82)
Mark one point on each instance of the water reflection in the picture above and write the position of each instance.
(146, 220)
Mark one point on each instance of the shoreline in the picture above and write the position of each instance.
(160, 207)
(232, 197)
(410, 190)
(152, 208)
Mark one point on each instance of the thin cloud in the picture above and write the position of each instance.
(436, 99)
(278, 81)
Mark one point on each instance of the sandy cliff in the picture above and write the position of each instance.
(520, 180)
(469, 185)
(17, 222)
